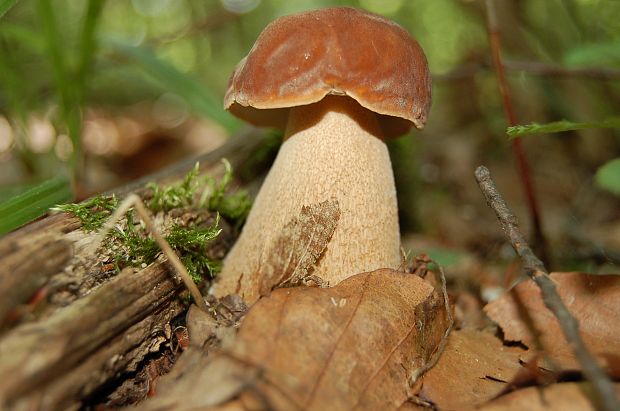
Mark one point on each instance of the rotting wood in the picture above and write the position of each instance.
(92, 326)
(27, 240)
(36, 353)
(45, 257)
(121, 355)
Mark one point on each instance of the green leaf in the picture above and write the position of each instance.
(33, 203)
(5, 5)
(608, 176)
(598, 54)
(559, 126)
(199, 98)
(29, 39)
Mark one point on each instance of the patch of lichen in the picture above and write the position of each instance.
(188, 237)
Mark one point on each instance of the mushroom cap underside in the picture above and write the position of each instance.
(301, 58)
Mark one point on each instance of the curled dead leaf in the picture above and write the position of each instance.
(292, 256)
(353, 346)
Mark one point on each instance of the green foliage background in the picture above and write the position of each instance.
(58, 57)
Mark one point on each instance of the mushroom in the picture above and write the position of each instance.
(338, 81)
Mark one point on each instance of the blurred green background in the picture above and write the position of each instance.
(106, 91)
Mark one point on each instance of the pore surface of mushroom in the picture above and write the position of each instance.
(338, 81)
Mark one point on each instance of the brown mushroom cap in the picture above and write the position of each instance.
(301, 58)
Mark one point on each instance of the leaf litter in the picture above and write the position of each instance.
(297, 349)
(358, 344)
(592, 299)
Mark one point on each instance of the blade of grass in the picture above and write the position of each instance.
(200, 99)
(69, 112)
(31, 40)
(88, 46)
(71, 84)
(33, 203)
(559, 126)
(5, 5)
(598, 54)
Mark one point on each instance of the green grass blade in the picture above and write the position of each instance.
(595, 54)
(200, 99)
(559, 126)
(5, 5)
(30, 40)
(33, 203)
(608, 176)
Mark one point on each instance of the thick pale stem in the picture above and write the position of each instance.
(333, 151)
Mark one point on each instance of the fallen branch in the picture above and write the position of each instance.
(37, 353)
(44, 256)
(602, 388)
(77, 328)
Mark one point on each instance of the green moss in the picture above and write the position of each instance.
(233, 206)
(215, 195)
(191, 244)
(137, 247)
(174, 196)
(93, 212)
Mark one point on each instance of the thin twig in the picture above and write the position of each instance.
(511, 117)
(603, 390)
(133, 200)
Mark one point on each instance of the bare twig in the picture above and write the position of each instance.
(511, 117)
(603, 390)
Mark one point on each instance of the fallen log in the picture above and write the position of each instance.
(36, 353)
(70, 325)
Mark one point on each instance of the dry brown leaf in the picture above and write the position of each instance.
(353, 346)
(557, 397)
(299, 247)
(292, 256)
(593, 299)
(473, 368)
